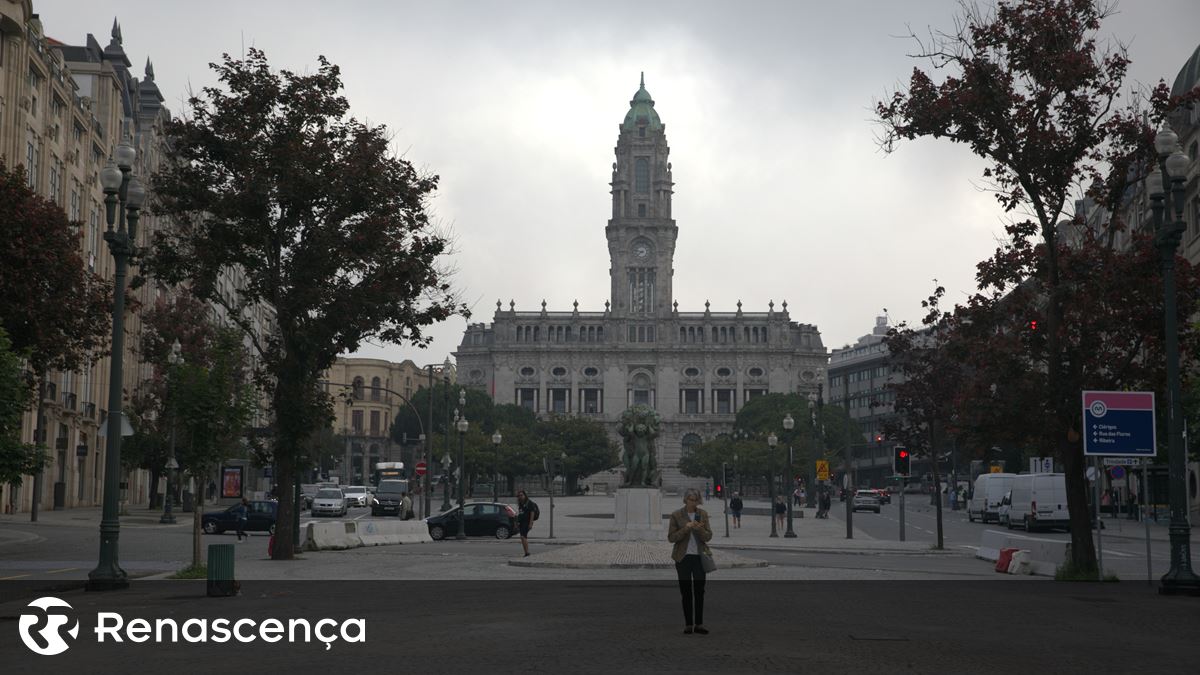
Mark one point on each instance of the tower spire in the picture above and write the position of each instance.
(643, 82)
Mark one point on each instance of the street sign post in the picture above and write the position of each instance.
(1118, 423)
(822, 469)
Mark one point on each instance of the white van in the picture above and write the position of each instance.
(989, 490)
(1039, 500)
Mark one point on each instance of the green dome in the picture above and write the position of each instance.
(641, 107)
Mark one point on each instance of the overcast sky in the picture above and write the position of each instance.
(781, 191)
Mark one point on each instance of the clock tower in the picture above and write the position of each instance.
(641, 233)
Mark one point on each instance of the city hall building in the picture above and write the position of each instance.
(696, 368)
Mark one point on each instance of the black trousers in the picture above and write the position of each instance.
(241, 528)
(691, 587)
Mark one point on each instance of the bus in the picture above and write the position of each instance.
(388, 471)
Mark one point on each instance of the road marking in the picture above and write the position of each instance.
(65, 569)
(19, 576)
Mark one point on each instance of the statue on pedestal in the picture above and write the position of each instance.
(639, 428)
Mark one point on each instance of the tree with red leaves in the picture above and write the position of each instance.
(272, 179)
(54, 309)
(1032, 92)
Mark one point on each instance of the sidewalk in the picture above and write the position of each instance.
(135, 515)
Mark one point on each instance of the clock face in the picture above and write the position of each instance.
(641, 251)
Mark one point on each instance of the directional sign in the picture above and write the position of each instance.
(421, 468)
(1121, 461)
(1118, 423)
(822, 469)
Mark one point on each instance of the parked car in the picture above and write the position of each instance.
(260, 517)
(990, 488)
(329, 501)
(483, 519)
(866, 500)
(1039, 501)
(358, 495)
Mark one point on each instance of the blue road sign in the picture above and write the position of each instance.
(1118, 423)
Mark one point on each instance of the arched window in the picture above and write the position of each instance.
(690, 442)
(375, 384)
(358, 389)
(641, 175)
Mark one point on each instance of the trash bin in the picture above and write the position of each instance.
(220, 571)
(188, 502)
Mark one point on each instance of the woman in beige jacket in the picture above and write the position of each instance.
(689, 530)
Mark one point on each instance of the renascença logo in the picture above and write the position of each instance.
(48, 640)
(51, 640)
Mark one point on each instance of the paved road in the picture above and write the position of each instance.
(1123, 541)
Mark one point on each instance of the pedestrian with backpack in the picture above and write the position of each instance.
(527, 512)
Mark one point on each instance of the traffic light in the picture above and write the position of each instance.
(1033, 325)
(718, 487)
(901, 461)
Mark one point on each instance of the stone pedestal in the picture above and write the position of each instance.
(638, 516)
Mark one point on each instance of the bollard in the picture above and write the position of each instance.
(220, 571)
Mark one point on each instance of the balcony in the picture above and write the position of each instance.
(68, 400)
(89, 410)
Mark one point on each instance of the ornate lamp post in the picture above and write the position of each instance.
(496, 438)
(772, 441)
(175, 359)
(1169, 225)
(119, 186)
(461, 425)
(788, 424)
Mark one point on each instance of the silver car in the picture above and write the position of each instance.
(866, 500)
(329, 501)
(358, 495)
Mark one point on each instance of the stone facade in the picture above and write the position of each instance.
(368, 393)
(695, 368)
(63, 110)
(859, 376)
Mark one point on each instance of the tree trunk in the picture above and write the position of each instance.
(1065, 407)
(39, 437)
(155, 474)
(285, 541)
(937, 486)
(197, 509)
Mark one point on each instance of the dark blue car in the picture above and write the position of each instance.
(260, 517)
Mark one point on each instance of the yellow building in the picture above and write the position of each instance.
(368, 393)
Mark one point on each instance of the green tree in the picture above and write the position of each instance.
(272, 177)
(585, 442)
(17, 459)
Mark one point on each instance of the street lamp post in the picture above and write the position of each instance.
(772, 441)
(496, 439)
(1166, 187)
(788, 424)
(462, 466)
(174, 360)
(119, 186)
(446, 481)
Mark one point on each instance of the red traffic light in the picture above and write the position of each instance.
(1033, 324)
(903, 454)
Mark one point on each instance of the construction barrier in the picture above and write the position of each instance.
(1043, 556)
(386, 532)
(338, 535)
(335, 535)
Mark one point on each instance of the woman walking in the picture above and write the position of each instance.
(780, 511)
(689, 530)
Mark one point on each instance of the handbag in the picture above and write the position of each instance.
(706, 558)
